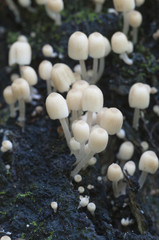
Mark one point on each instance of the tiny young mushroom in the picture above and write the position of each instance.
(78, 50)
(124, 6)
(91, 208)
(129, 168)
(120, 46)
(139, 98)
(53, 9)
(45, 69)
(5, 238)
(54, 206)
(92, 101)
(98, 5)
(126, 151)
(6, 146)
(96, 49)
(21, 92)
(148, 163)
(135, 21)
(29, 74)
(114, 174)
(10, 100)
(57, 108)
(47, 50)
(20, 52)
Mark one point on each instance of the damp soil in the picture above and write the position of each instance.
(40, 163)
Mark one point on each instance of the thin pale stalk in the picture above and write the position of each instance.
(21, 110)
(125, 22)
(66, 130)
(12, 110)
(136, 118)
(48, 85)
(89, 118)
(58, 21)
(135, 35)
(115, 188)
(126, 59)
(74, 115)
(98, 7)
(95, 70)
(83, 69)
(142, 179)
(101, 68)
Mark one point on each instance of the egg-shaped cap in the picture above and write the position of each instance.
(149, 162)
(80, 131)
(29, 74)
(20, 88)
(56, 106)
(112, 120)
(139, 96)
(135, 19)
(96, 45)
(55, 5)
(119, 43)
(45, 69)
(126, 151)
(124, 5)
(8, 95)
(78, 46)
(114, 173)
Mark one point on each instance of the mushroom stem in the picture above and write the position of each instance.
(89, 118)
(126, 59)
(136, 118)
(21, 110)
(12, 6)
(66, 130)
(49, 88)
(115, 188)
(83, 69)
(58, 21)
(82, 164)
(126, 23)
(12, 110)
(101, 68)
(98, 7)
(135, 35)
(74, 115)
(142, 179)
(95, 70)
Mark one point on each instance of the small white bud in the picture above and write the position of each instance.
(81, 189)
(54, 206)
(6, 146)
(92, 161)
(78, 178)
(121, 134)
(90, 187)
(91, 208)
(84, 202)
(144, 145)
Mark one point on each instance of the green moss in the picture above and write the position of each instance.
(3, 213)
(2, 193)
(23, 195)
(51, 236)
(34, 223)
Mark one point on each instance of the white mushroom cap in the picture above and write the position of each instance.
(20, 89)
(130, 48)
(96, 45)
(20, 52)
(55, 5)
(47, 50)
(74, 145)
(92, 99)
(5, 238)
(78, 46)
(112, 120)
(80, 84)
(77, 69)
(29, 74)
(24, 3)
(92, 161)
(139, 2)
(78, 178)
(119, 43)
(139, 96)
(84, 202)
(14, 76)
(80, 131)
(124, 5)
(62, 77)
(8, 95)
(6, 146)
(74, 99)
(135, 18)
(126, 151)
(100, 115)
(91, 207)
(54, 206)
(130, 168)
(149, 162)
(45, 69)
(98, 140)
(114, 172)
(56, 106)
(81, 189)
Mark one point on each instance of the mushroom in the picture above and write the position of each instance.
(57, 108)
(139, 98)
(21, 92)
(92, 101)
(5, 238)
(54, 206)
(120, 45)
(148, 163)
(126, 151)
(47, 50)
(135, 21)
(98, 5)
(78, 50)
(114, 174)
(78, 178)
(10, 99)
(129, 168)
(6, 146)
(112, 120)
(62, 77)
(45, 69)
(91, 208)
(124, 6)
(53, 9)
